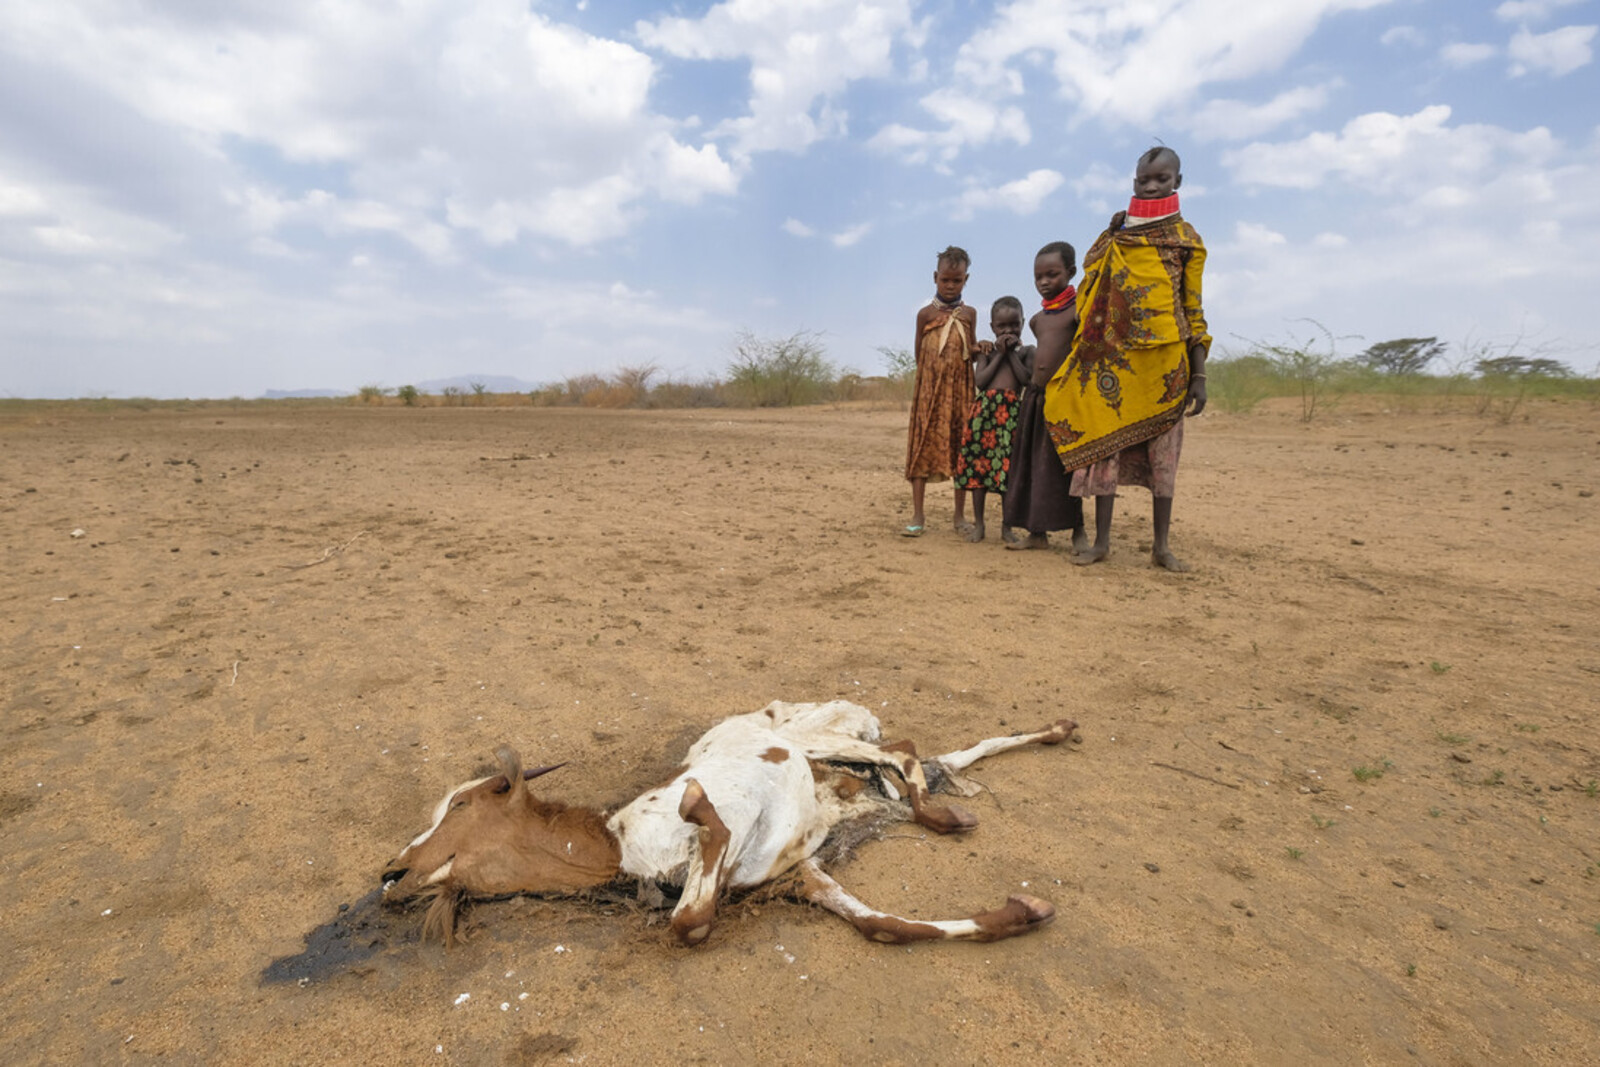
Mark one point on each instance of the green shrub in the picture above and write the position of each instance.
(1238, 383)
(779, 372)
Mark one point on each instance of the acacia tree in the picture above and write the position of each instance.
(1403, 355)
(1521, 367)
(781, 371)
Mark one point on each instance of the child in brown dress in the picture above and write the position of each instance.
(943, 349)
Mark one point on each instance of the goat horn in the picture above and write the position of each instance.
(534, 772)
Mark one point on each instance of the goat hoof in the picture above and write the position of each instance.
(1036, 912)
(696, 935)
(949, 820)
(1059, 731)
(1022, 914)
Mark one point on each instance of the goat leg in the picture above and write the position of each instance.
(697, 908)
(943, 820)
(1021, 915)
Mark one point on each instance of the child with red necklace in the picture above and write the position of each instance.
(1137, 366)
(1038, 495)
(946, 329)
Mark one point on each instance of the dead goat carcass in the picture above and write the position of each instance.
(755, 799)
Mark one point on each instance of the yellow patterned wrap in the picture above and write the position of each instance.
(1127, 377)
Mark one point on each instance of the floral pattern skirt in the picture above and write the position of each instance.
(985, 456)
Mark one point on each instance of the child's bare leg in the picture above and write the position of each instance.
(961, 508)
(1007, 534)
(974, 531)
(1103, 507)
(1161, 522)
(919, 490)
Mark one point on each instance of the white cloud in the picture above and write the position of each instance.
(1023, 196)
(849, 237)
(1394, 155)
(1442, 229)
(1531, 10)
(796, 228)
(1253, 236)
(21, 201)
(1116, 60)
(969, 122)
(485, 117)
(802, 54)
(1102, 179)
(1237, 120)
(1407, 35)
(1491, 271)
(1462, 54)
(1557, 52)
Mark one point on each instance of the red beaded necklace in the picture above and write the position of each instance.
(1153, 209)
(1061, 299)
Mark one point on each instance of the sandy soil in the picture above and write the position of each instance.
(284, 632)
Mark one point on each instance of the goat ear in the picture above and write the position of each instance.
(511, 767)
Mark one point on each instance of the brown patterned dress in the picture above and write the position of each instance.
(943, 395)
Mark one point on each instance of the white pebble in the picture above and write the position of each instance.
(561, 948)
(462, 999)
(106, 912)
(505, 1005)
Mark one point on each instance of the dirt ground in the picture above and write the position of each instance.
(1335, 799)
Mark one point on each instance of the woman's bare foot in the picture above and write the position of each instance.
(1080, 541)
(1092, 554)
(1163, 557)
(1008, 535)
(1032, 541)
(973, 531)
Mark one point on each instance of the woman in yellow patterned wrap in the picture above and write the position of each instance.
(1115, 409)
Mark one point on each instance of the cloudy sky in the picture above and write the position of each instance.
(205, 199)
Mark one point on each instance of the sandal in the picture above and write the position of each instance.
(912, 531)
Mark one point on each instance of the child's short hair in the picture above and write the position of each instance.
(1005, 302)
(1152, 154)
(955, 257)
(1068, 254)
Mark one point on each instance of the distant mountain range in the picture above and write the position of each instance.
(494, 383)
